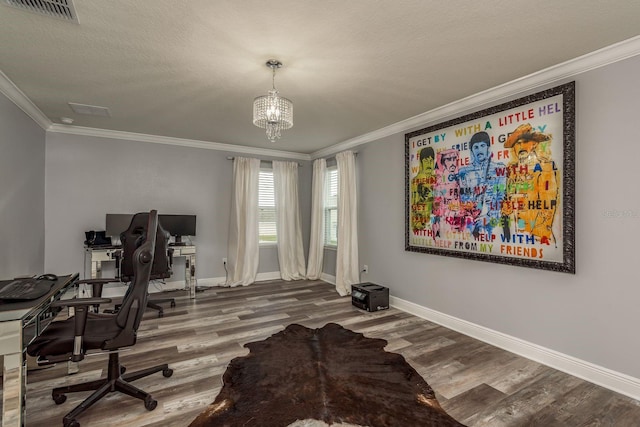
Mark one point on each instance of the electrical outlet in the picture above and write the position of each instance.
(365, 268)
(224, 261)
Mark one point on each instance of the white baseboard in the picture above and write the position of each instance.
(274, 275)
(220, 281)
(328, 278)
(117, 289)
(210, 282)
(616, 381)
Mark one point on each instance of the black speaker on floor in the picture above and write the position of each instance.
(369, 296)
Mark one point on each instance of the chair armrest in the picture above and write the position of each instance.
(81, 309)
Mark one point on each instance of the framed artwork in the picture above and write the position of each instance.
(496, 185)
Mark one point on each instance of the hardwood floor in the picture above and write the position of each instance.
(476, 383)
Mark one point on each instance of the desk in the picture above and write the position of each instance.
(20, 322)
(94, 257)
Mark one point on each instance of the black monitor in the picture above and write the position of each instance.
(178, 225)
(175, 225)
(117, 223)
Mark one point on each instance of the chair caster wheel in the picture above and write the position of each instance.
(167, 372)
(59, 398)
(173, 303)
(71, 423)
(149, 403)
(161, 314)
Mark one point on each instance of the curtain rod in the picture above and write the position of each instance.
(261, 160)
(355, 154)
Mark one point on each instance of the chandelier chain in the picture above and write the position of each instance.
(273, 78)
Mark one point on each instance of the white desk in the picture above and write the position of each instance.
(20, 322)
(188, 252)
(94, 257)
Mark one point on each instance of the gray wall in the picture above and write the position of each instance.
(88, 177)
(591, 315)
(22, 167)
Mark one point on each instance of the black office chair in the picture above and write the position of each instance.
(71, 339)
(162, 262)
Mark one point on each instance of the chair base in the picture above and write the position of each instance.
(150, 304)
(116, 380)
(154, 304)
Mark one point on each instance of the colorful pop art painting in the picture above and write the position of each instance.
(496, 185)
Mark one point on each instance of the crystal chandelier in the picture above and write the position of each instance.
(273, 112)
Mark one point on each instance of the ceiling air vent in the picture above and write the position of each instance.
(61, 9)
(89, 110)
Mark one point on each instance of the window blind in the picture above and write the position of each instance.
(267, 207)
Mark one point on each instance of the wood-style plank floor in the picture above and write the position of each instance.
(478, 384)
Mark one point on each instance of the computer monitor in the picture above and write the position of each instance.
(117, 223)
(175, 225)
(178, 225)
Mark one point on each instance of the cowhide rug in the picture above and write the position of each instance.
(309, 377)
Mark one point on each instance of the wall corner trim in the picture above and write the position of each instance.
(11, 91)
(615, 381)
(565, 70)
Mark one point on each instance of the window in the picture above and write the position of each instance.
(266, 207)
(331, 207)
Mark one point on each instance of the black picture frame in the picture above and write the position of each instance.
(497, 185)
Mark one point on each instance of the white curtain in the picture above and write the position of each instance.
(347, 268)
(243, 240)
(290, 249)
(316, 240)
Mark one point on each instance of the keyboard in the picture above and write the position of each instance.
(24, 289)
(106, 246)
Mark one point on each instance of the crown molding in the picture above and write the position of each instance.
(596, 59)
(11, 91)
(131, 136)
(599, 58)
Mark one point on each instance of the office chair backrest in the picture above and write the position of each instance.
(161, 268)
(135, 300)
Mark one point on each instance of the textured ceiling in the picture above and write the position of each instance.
(191, 69)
